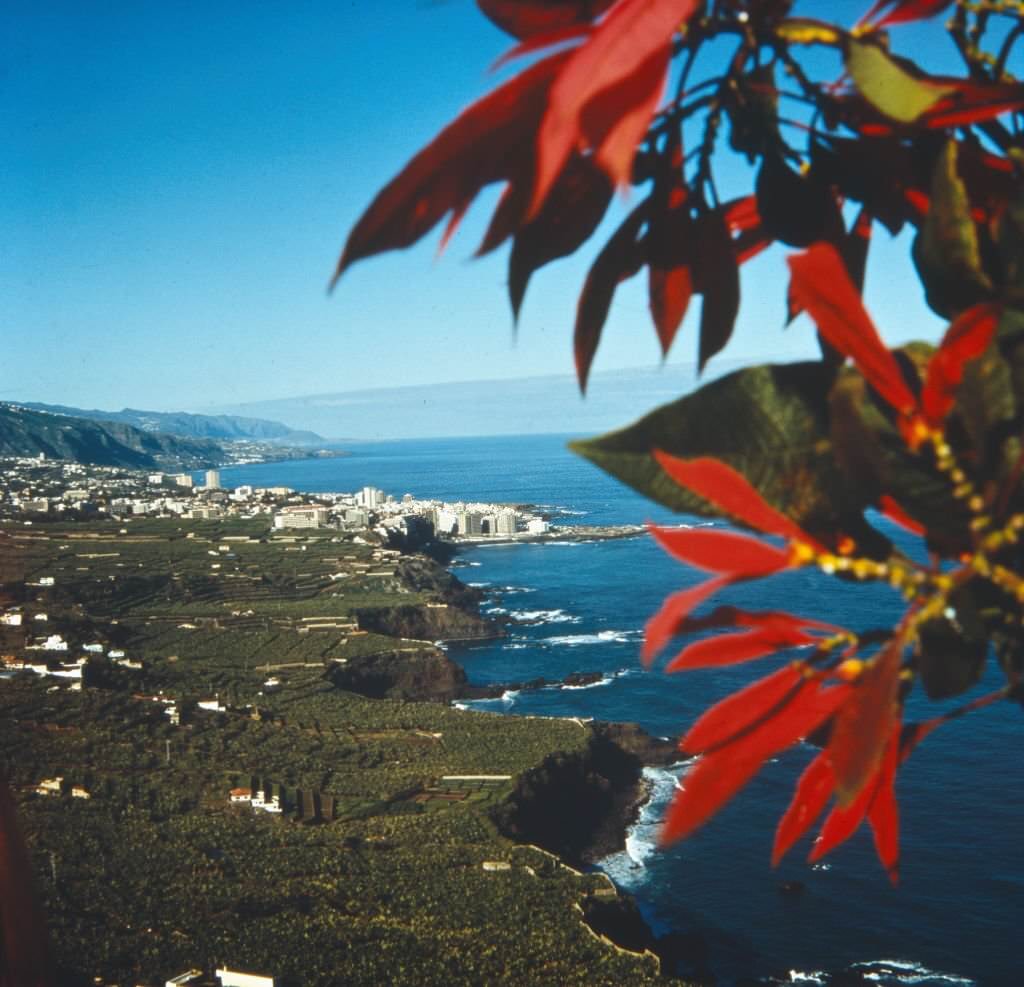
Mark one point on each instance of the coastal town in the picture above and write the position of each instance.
(38, 490)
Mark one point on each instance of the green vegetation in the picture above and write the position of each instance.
(156, 871)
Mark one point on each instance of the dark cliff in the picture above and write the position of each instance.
(424, 675)
(579, 805)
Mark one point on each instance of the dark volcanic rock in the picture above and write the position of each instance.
(582, 678)
(424, 575)
(427, 674)
(438, 622)
(579, 805)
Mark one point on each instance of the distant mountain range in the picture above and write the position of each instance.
(181, 423)
(27, 432)
(515, 406)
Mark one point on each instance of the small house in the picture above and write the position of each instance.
(50, 786)
(235, 978)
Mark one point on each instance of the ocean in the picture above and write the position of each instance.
(581, 607)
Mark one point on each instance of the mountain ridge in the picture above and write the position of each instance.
(188, 424)
(26, 432)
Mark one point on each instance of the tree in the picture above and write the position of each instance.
(643, 93)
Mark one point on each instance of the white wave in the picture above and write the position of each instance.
(519, 589)
(906, 972)
(601, 637)
(628, 867)
(821, 867)
(606, 679)
(603, 680)
(800, 977)
(515, 645)
(460, 705)
(478, 585)
(495, 610)
(557, 616)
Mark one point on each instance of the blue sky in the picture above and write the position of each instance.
(181, 179)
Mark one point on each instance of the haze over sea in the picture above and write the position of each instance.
(582, 607)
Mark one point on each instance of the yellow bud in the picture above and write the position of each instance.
(850, 670)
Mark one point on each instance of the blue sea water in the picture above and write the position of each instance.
(955, 917)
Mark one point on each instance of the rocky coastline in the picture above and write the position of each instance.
(577, 805)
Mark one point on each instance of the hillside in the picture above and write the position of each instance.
(24, 432)
(183, 423)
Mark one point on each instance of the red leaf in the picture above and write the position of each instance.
(569, 216)
(726, 616)
(894, 512)
(669, 245)
(631, 33)
(863, 725)
(620, 259)
(717, 777)
(883, 813)
(813, 791)
(526, 18)
(821, 285)
(842, 822)
(669, 292)
(721, 551)
(741, 214)
(740, 711)
(731, 649)
(972, 102)
(716, 276)
(732, 493)
(966, 339)
(613, 122)
(739, 714)
(903, 10)
(488, 142)
(673, 609)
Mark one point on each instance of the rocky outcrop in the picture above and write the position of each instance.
(424, 675)
(579, 805)
(424, 575)
(427, 622)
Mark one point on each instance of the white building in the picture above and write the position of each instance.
(445, 521)
(505, 522)
(213, 479)
(235, 978)
(184, 480)
(538, 526)
(302, 516)
(370, 497)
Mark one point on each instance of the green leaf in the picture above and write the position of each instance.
(1010, 243)
(953, 648)
(887, 86)
(770, 423)
(946, 251)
